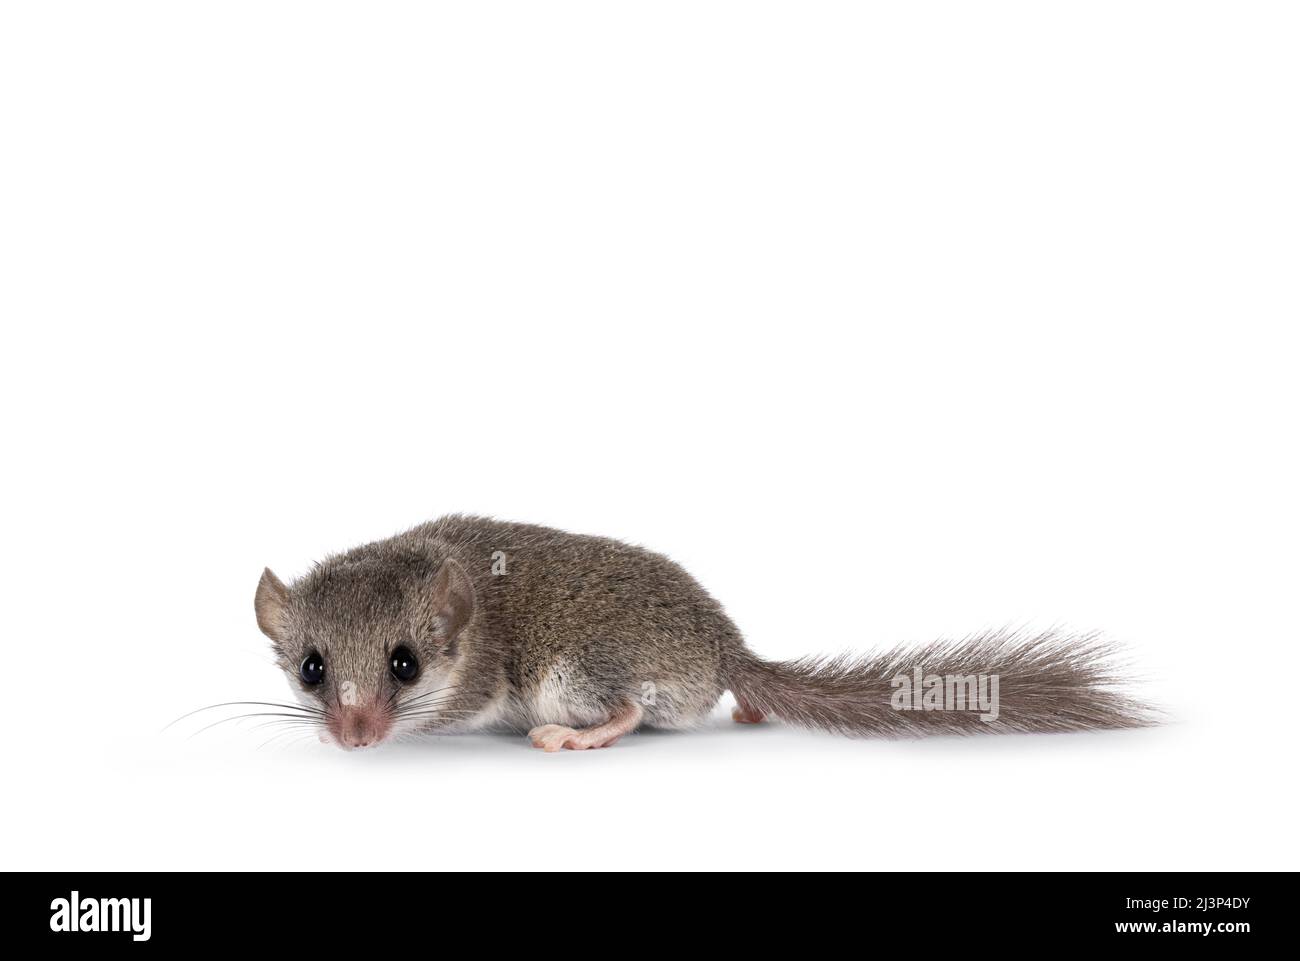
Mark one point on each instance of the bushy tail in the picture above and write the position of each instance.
(1030, 682)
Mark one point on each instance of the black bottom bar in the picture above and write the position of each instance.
(940, 914)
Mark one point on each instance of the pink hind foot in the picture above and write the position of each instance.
(746, 713)
(557, 737)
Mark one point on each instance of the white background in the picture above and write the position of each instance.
(887, 320)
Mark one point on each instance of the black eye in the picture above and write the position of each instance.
(404, 665)
(312, 670)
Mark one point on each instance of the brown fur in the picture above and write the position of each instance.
(523, 625)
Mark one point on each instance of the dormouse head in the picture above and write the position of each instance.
(370, 643)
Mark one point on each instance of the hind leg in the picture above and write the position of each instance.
(746, 713)
(556, 737)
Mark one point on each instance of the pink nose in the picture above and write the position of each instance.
(360, 728)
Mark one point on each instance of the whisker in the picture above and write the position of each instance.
(284, 722)
(427, 708)
(423, 702)
(436, 707)
(243, 717)
(296, 707)
(298, 740)
(437, 714)
(427, 694)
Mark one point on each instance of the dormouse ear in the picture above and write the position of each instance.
(271, 602)
(452, 601)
